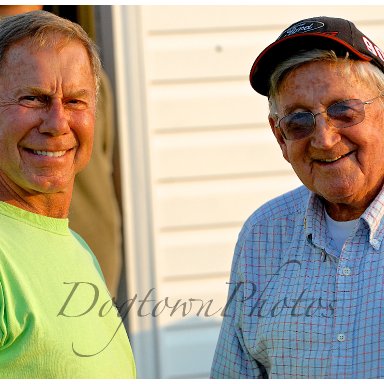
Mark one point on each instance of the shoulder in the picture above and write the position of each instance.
(80, 240)
(277, 218)
(89, 251)
(288, 206)
(264, 238)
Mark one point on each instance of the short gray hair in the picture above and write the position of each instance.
(364, 71)
(46, 29)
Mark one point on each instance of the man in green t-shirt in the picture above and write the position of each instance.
(56, 317)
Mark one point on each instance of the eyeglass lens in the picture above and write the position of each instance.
(341, 115)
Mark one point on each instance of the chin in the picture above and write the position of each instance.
(52, 186)
(339, 197)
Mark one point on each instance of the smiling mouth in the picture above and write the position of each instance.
(334, 159)
(48, 153)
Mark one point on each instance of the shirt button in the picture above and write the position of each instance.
(346, 271)
(375, 242)
(341, 337)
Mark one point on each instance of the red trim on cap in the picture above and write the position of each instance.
(326, 35)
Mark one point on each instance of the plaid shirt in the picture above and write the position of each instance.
(298, 309)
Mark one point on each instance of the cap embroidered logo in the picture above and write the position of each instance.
(301, 28)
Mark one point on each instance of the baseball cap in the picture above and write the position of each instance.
(320, 32)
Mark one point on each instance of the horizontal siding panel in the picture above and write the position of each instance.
(190, 106)
(203, 154)
(182, 351)
(215, 202)
(185, 304)
(203, 253)
(204, 56)
(186, 18)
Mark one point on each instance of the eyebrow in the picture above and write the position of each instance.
(42, 91)
(80, 93)
(288, 109)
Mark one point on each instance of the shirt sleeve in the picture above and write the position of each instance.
(231, 359)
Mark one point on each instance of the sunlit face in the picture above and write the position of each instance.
(47, 112)
(346, 165)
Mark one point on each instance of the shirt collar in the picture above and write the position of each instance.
(315, 227)
(373, 216)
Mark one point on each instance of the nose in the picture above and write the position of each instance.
(55, 120)
(325, 136)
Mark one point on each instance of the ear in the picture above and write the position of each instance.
(279, 137)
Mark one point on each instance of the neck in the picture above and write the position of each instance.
(48, 204)
(343, 212)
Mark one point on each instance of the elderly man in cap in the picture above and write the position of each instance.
(306, 297)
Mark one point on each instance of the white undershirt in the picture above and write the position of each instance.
(339, 230)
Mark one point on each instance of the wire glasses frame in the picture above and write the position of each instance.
(342, 114)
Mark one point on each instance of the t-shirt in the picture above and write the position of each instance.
(57, 319)
(339, 230)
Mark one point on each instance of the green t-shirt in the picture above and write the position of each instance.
(56, 315)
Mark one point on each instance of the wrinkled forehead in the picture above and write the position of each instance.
(34, 44)
(343, 72)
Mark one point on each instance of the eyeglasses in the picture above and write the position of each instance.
(343, 114)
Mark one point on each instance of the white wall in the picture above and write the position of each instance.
(198, 159)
